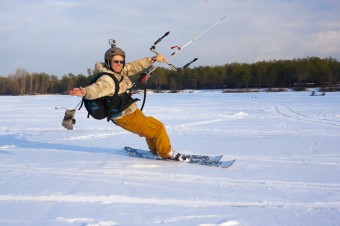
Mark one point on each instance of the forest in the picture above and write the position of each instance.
(298, 74)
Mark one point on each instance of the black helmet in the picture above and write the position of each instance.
(113, 51)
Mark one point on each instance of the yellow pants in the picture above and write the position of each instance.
(150, 128)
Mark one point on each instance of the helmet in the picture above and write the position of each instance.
(113, 51)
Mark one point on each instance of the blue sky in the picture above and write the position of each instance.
(68, 36)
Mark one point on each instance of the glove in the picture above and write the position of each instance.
(69, 119)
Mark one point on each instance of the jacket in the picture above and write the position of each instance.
(104, 86)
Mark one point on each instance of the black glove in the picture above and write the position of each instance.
(69, 119)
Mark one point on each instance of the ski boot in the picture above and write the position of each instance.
(173, 155)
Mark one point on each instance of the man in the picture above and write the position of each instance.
(130, 118)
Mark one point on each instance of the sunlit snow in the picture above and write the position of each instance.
(286, 173)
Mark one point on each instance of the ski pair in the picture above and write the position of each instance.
(193, 159)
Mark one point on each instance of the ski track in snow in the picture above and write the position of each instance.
(289, 172)
(196, 125)
(115, 199)
(288, 112)
(134, 172)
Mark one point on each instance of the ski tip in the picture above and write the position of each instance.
(226, 164)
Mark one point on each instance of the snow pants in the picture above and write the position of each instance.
(150, 128)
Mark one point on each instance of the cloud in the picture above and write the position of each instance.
(327, 42)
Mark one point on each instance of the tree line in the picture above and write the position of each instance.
(297, 73)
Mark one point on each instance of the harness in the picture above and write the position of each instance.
(108, 106)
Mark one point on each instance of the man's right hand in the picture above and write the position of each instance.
(80, 92)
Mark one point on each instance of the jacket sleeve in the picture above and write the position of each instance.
(104, 86)
(135, 67)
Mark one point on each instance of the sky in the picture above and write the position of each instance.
(59, 37)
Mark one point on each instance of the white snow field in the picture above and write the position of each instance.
(287, 171)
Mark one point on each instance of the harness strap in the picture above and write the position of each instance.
(111, 102)
(116, 82)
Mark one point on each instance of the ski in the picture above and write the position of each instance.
(193, 159)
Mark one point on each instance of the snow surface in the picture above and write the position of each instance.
(287, 170)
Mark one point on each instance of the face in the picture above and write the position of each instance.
(117, 63)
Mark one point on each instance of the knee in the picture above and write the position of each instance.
(157, 125)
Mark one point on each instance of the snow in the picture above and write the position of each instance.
(286, 173)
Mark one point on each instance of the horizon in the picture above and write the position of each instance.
(166, 67)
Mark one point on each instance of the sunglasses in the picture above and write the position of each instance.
(118, 61)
